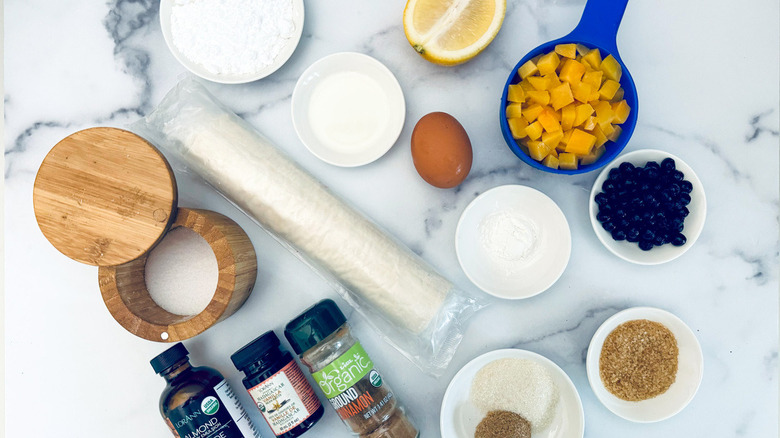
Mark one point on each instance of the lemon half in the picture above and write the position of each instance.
(450, 32)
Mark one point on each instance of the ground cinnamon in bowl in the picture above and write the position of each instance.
(503, 424)
(638, 360)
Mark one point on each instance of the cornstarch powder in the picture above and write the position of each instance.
(231, 37)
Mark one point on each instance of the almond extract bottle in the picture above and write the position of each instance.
(197, 402)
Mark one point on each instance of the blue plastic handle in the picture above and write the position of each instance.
(599, 24)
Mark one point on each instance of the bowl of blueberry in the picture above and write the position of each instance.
(647, 207)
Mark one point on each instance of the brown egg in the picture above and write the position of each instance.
(441, 150)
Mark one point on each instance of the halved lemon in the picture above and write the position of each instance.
(449, 32)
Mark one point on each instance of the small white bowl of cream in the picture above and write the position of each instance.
(513, 242)
(348, 109)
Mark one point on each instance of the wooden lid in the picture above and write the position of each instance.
(104, 196)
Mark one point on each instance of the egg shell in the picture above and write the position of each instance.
(441, 150)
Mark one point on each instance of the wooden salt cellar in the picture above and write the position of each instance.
(106, 197)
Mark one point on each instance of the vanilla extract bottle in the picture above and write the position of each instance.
(197, 401)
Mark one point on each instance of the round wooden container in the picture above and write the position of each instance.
(124, 287)
(106, 197)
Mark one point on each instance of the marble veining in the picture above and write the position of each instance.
(77, 64)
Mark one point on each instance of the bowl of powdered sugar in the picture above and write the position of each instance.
(232, 41)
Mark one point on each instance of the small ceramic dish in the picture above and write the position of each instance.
(690, 367)
(200, 70)
(694, 222)
(348, 109)
(459, 417)
(513, 242)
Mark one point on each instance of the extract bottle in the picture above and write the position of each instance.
(197, 401)
(346, 375)
(278, 387)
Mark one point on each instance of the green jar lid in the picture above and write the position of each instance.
(313, 325)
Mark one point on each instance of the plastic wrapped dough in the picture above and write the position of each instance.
(414, 307)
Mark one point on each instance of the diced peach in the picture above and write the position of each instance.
(550, 161)
(532, 112)
(608, 89)
(618, 95)
(580, 142)
(515, 93)
(540, 97)
(537, 150)
(621, 110)
(592, 58)
(514, 110)
(554, 81)
(604, 112)
(567, 161)
(526, 86)
(567, 50)
(616, 133)
(590, 123)
(549, 121)
(582, 91)
(593, 78)
(561, 96)
(552, 139)
(611, 68)
(568, 113)
(539, 83)
(517, 126)
(527, 69)
(548, 63)
(600, 137)
(607, 128)
(593, 156)
(582, 49)
(572, 71)
(534, 130)
(583, 111)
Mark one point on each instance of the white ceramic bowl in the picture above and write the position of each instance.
(520, 278)
(384, 129)
(690, 367)
(200, 70)
(459, 417)
(694, 222)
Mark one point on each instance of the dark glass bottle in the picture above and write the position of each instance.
(197, 402)
(278, 387)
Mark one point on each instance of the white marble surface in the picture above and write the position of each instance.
(707, 76)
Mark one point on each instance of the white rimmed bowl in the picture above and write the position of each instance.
(200, 70)
(525, 278)
(459, 417)
(386, 131)
(690, 368)
(694, 222)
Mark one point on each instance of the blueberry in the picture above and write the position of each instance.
(684, 212)
(685, 198)
(679, 240)
(608, 226)
(686, 186)
(633, 233)
(652, 165)
(603, 217)
(601, 199)
(608, 186)
(659, 240)
(626, 167)
(678, 176)
(620, 213)
(679, 228)
(651, 173)
(614, 174)
(635, 218)
(623, 224)
(674, 189)
(668, 164)
(648, 234)
(618, 234)
(645, 245)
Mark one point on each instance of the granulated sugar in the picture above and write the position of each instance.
(516, 385)
(231, 37)
(181, 272)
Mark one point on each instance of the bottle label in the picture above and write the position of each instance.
(217, 414)
(353, 386)
(285, 399)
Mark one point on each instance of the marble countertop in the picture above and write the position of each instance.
(707, 77)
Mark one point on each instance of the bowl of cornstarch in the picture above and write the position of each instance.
(511, 393)
(232, 41)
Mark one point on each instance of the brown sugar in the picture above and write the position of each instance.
(638, 360)
(503, 424)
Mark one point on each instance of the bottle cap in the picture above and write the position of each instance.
(251, 352)
(169, 357)
(314, 325)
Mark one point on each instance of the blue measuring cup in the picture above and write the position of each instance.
(597, 29)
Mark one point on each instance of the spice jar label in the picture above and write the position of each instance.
(344, 372)
(285, 399)
(216, 414)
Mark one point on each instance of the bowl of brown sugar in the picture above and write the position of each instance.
(644, 364)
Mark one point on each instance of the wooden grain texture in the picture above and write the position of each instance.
(104, 196)
(124, 288)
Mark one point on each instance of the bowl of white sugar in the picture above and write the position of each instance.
(232, 41)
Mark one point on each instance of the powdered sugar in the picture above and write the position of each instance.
(232, 37)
